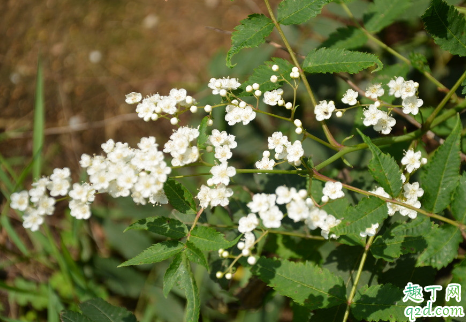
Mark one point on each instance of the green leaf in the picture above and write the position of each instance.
(172, 274)
(329, 60)
(419, 61)
(188, 283)
(384, 169)
(156, 253)
(294, 12)
(390, 247)
(337, 208)
(97, 310)
(333, 314)
(446, 25)
(458, 206)
(420, 226)
(383, 13)
(202, 138)
(207, 239)
(345, 38)
(300, 313)
(369, 211)
(442, 247)
(441, 174)
(305, 283)
(262, 74)
(379, 302)
(169, 227)
(459, 276)
(464, 88)
(179, 197)
(250, 33)
(287, 247)
(196, 255)
(39, 123)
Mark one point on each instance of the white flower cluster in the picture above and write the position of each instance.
(151, 106)
(36, 202)
(413, 160)
(381, 120)
(238, 112)
(284, 150)
(274, 97)
(324, 110)
(332, 190)
(222, 85)
(221, 173)
(410, 196)
(180, 148)
(407, 91)
(126, 171)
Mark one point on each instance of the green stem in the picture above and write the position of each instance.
(195, 222)
(358, 276)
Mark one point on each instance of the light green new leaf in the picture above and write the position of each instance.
(172, 274)
(97, 310)
(333, 60)
(447, 26)
(156, 253)
(384, 169)
(369, 211)
(201, 140)
(294, 12)
(458, 205)
(250, 33)
(305, 283)
(188, 283)
(179, 197)
(441, 173)
(207, 239)
(383, 13)
(442, 247)
(345, 38)
(420, 226)
(169, 227)
(196, 255)
(379, 302)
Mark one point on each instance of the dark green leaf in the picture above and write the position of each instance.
(459, 277)
(447, 26)
(294, 12)
(384, 169)
(441, 173)
(390, 247)
(383, 13)
(417, 227)
(345, 38)
(304, 283)
(100, 311)
(196, 255)
(333, 314)
(331, 60)
(201, 140)
(250, 33)
(188, 283)
(458, 206)
(156, 253)
(71, 316)
(169, 227)
(172, 274)
(179, 197)
(207, 239)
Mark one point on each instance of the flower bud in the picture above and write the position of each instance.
(249, 88)
(228, 276)
(251, 260)
(193, 109)
(257, 93)
(174, 120)
(339, 114)
(275, 68)
(255, 86)
(273, 78)
(208, 108)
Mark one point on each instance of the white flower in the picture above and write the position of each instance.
(217, 138)
(278, 141)
(223, 153)
(133, 98)
(372, 114)
(19, 200)
(370, 231)
(249, 240)
(396, 86)
(316, 218)
(82, 193)
(374, 91)
(330, 222)
(272, 97)
(324, 110)
(411, 105)
(385, 123)
(204, 196)
(294, 151)
(261, 202)
(409, 89)
(265, 163)
(60, 174)
(148, 144)
(350, 97)
(32, 221)
(412, 160)
(45, 206)
(412, 191)
(58, 187)
(248, 223)
(272, 218)
(333, 190)
(167, 105)
(285, 194)
(80, 210)
(409, 212)
(225, 83)
(108, 146)
(145, 110)
(158, 198)
(219, 196)
(178, 94)
(381, 192)
(297, 210)
(222, 173)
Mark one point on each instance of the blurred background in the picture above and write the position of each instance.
(92, 54)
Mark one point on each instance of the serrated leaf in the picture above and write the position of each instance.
(420, 226)
(196, 255)
(202, 138)
(369, 211)
(330, 60)
(441, 173)
(446, 25)
(71, 316)
(337, 208)
(334, 314)
(262, 74)
(287, 247)
(459, 277)
(207, 239)
(97, 310)
(419, 61)
(250, 33)
(169, 227)
(458, 205)
(179, 197)
(442, 247)
(294, 12)
(188, 283)
(379, 302)
(305, 283)
(172, 274)
(345, 38)
(156, 253)
(384, 169)
(390, 247)
(383, 13)
(300, 313)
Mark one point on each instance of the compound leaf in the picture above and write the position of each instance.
(207, 239)
(294, 12)
(156, 253)
(196, 255)
(169, 227)
(172, 274)
(179, 197)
